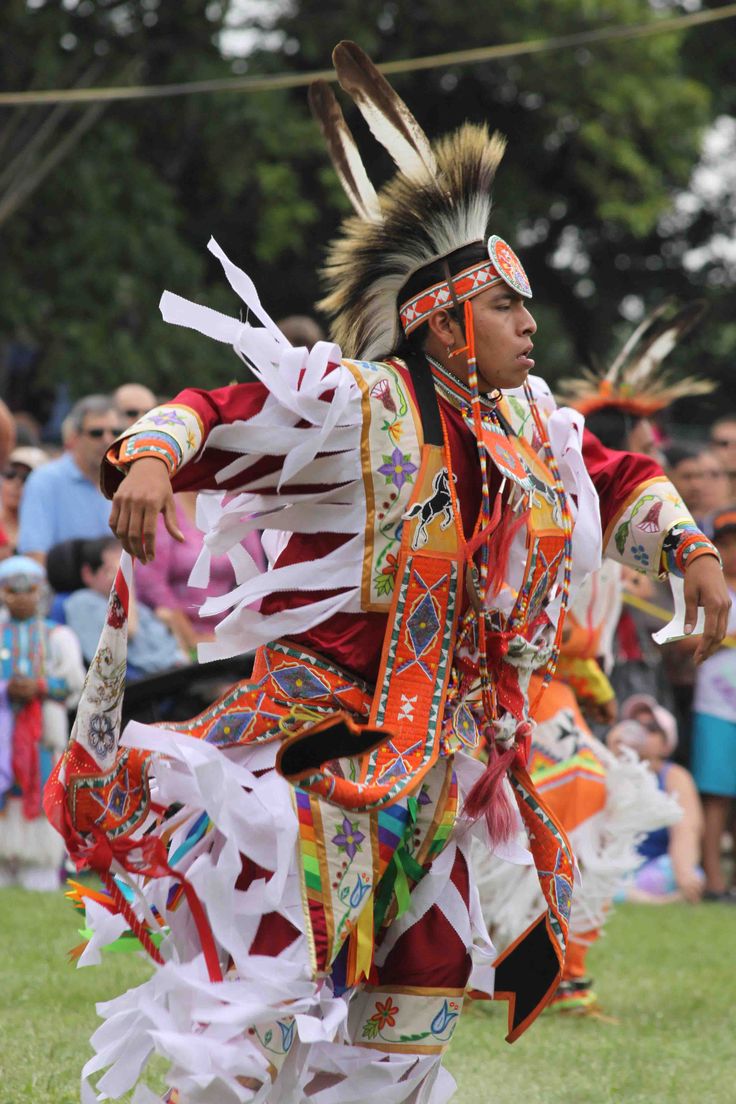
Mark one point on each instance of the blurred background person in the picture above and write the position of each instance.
(670, 867)
(714, 726)
(151, 645)
(22, 461)
(301, 330)
(7, 434)
(699, 475)
(41, 676)
(28, 429)
(723, 440)
(163, 584)
(132, 401)
(62, 499)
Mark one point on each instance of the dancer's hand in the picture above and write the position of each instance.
(23, 689)
(706, 587)
(144, 493)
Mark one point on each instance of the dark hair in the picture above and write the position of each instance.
(92, 552)
(65, 561)
(611, 426)
(679, 452)
(426, 277)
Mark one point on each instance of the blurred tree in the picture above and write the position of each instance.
(601, 142)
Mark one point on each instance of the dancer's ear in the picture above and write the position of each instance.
(443, 328)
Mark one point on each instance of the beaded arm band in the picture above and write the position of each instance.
(655, 533)
(171, 433)
(683, 544)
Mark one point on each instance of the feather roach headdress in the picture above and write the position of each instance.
(437, 204)
(635, 383)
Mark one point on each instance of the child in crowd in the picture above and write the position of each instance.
(670, 856)
(714, 725)
(41, 676)
(151, 645)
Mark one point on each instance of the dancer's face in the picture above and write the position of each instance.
(504, 328)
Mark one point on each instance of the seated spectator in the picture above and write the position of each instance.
(700, 478)
(670, 856)
(41, 676)
(7, 434)
(132, 401)
(714, 725)
(151, 646)
(62, 499)
(723, 440)
(715, 494)
(163, 583)
(27, 429)
(21, 462)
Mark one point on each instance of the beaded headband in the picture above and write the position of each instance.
(503, 266)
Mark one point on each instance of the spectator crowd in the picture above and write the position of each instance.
(58, 560)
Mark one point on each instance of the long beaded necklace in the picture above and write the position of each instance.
(489, 519)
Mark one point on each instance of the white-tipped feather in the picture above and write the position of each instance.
(343, 152)
(636, 381)
(649, 361)
(388, 117)
(634, 339)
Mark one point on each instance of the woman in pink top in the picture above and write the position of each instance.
(163, 583)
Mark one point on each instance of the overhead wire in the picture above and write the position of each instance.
(278, 81)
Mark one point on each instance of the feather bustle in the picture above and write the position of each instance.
(635, 382)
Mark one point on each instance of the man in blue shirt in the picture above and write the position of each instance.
(62, 500)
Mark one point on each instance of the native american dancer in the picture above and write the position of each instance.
(605, 804)
(295, 860)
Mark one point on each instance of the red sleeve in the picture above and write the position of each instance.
(222, 406)
(237, 401)
(616, 475)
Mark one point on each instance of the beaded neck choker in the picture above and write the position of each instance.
(457, 393)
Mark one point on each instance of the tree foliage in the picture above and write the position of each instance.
(601, 140)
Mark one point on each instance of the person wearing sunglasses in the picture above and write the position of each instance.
(132, 401)
(62, 500)
(21, 462)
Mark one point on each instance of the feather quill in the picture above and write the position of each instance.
(388, 117)
(660, 343)
(633, 340)
(344, 152)
(636, 383)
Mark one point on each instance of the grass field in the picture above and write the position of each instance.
(667, 976)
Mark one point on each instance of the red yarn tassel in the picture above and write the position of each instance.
(488, 797)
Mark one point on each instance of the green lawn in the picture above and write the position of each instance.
(665, 974)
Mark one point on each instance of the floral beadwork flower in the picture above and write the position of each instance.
(349, 838)
(397, 468)
(101, 734)
(385, 1014)
(167, 417)
(382, 392)
(640, 554)
(116, 614)
(650, 522)
(391, 565)
(424, 798)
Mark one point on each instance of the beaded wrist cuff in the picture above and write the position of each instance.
(683, 544)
